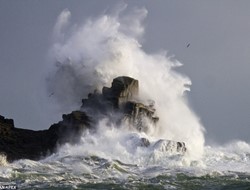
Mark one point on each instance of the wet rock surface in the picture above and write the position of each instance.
(121, 100)
(18, 143)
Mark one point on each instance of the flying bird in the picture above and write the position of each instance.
(51, 94)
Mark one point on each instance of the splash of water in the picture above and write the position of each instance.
(90, 55)
(3, 160)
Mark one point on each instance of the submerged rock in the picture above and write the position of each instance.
(169, 146)
(144, 142)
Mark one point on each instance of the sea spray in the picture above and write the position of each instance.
(3, 160)
(111, 157)
(90, 55)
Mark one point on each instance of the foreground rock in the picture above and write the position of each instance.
(119, 103)
(18, 143)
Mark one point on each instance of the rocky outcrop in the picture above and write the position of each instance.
(121, 99)
(18, 143)
(6, 124)
(139, 115)
(123, 90)
(119, 103)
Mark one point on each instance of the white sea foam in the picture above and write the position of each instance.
(90, 55)
(234, 156)
(3, 160)
(114, 157)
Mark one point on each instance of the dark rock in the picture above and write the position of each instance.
(135, 113)
(181, 147)
(18, 143)
(144, 142)
(122, 90)
(6, 123)
(120, 99)
(71, 128)
(118, 103)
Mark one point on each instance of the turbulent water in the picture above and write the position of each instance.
(88, 56)
(110, 161)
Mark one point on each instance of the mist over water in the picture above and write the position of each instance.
(89, 55)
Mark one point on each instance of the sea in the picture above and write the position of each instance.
(85, 56)
(111, 161)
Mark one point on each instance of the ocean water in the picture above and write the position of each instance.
(112, 161)
(88, 56)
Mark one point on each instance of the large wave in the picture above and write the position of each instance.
(89, 55)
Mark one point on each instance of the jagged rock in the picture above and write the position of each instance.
(71, 127)
(5, 123)
(138, 115)
(119, 100)
(144, 142)
(18, 143)
(122, 90)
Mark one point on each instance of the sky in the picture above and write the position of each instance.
(217, 60)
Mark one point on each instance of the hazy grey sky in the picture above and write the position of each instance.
(217, 60)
